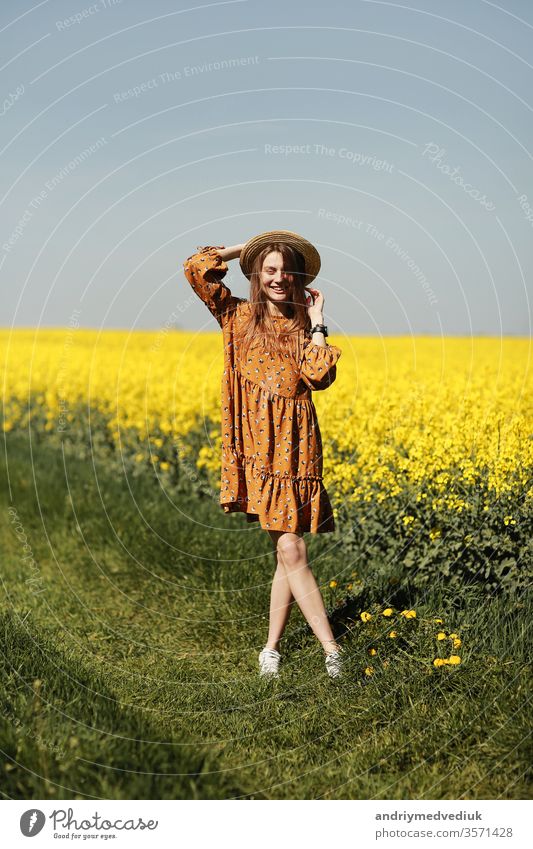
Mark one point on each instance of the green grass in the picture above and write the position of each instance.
(129, 661)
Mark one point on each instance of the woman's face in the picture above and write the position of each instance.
(275, 281)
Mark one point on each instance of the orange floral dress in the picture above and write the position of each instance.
(271, 443)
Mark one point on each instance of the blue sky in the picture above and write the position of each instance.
(396, 137)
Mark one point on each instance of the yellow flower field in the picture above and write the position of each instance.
(445, 412)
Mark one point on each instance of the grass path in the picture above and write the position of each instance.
(130, 652)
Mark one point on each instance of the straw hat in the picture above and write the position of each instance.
(256, 244)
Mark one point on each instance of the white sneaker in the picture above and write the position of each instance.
(334, 664)
(269, 663)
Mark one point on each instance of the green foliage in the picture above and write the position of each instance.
(129, 663)
(474, 546)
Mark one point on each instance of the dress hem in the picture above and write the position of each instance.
(325, 527)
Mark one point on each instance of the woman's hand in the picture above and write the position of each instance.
(231, 253)
(315, 310)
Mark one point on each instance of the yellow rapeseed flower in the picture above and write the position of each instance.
(435, 410)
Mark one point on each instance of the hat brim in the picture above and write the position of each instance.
(256, 244)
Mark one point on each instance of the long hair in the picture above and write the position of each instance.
(259, 328)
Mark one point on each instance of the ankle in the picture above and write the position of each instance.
(330, 646)
(272, 645)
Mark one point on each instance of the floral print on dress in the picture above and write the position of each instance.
(271, 442)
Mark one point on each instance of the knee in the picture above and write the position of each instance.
(292, 550)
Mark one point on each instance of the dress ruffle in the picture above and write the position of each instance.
(294, 505)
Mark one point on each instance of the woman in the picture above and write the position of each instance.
(275, 354)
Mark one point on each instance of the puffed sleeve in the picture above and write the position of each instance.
(204, 270)
(318, 367)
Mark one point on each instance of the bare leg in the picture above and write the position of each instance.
(292, 553)
(281, 601)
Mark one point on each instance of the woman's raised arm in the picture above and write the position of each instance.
(204, 270)
(231, 253)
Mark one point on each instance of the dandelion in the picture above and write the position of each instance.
(164, 466)
(372, 651)
(439, 661)
(365, 616)
(438, 621)
(333, 584)
(441, 635)
(409, 614)
(456, 643)
(388, 611)
(369, 670)
(454, 659)
(393, 635)
(349, 586)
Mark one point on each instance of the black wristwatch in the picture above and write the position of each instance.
(320, 327)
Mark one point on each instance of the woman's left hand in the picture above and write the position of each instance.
(315, 310)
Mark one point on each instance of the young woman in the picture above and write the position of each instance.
(275, 354)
